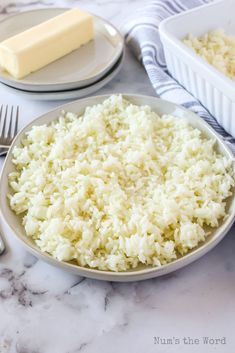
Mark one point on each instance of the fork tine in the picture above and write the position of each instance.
(16, 121)
(4, 122)
(1, 112)
(10, 124)
(5, 115)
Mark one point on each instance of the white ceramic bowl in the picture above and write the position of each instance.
(143, 272)
(211, 87)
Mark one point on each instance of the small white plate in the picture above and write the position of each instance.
(80, 68)
(70, 94)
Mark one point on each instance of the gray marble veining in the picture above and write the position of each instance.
(45, 310)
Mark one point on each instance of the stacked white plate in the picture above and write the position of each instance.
(77, 74)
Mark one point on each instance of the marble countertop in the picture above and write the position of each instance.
(45, 310)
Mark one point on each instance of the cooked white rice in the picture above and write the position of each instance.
(217, 48)
(118, 186)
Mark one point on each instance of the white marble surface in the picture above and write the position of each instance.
(44, 310)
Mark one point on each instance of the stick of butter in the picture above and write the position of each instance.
(38, 46)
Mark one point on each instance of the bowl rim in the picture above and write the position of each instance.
(131, 275)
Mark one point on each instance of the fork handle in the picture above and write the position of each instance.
(3, 151)
(2, 245)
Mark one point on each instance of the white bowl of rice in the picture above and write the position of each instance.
(119, 188)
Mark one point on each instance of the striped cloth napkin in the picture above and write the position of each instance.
(142, 36)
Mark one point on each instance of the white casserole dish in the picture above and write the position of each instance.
(211, 87)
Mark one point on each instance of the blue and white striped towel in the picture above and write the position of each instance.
(142, 36)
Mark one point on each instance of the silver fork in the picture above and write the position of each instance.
(9, 121)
